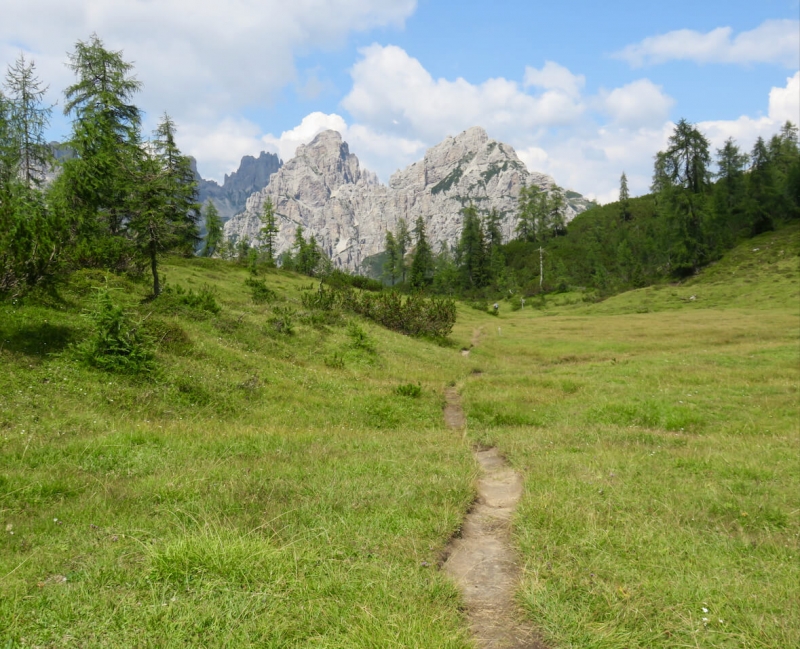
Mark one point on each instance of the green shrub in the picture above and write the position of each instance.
(259, 291)
(117, 344)
(322, 299)
(282, 320)
(203, 300)
(415, 315)
(339, 279)
(409, 390)
(359, 338)
(335, 361)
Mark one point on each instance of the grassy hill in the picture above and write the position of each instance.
(271, 483)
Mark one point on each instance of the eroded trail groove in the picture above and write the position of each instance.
(482, 560)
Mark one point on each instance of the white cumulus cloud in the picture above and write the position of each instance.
(553, 76)
(784, 105)
(392, 91)
(202, 61)
(774, 41)
(640, 103)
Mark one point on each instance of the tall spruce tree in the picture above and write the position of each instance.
(28, 120)
(390, 265)
(683, 176)
(180, 186)
(624, 199)
(269, 230)
(213, 230)
(763, 196)
(472, 260)
(730, 194)
(31, 233)
(422, 261)
(403, 241)
(531, 210)
(494, 250)
(97, 181)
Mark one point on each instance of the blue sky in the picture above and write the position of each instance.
(582, 90)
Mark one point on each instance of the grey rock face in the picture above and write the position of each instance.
(324, 189)
(231, 197)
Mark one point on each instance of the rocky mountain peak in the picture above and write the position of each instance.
(329, 157)
(230, 198)
(324, 189)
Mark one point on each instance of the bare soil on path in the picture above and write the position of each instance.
(481, 560)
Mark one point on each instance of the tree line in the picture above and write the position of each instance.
(117, 200)
(692, 216)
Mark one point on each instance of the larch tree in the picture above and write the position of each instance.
(106, 139)
(269, 230)
(624, 198)
(390, 265)
(422, 261)
(28, 120)
(403, 241)
(213, 230)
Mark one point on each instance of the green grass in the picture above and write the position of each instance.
(660, 451)
(292, 486)
(245, 494)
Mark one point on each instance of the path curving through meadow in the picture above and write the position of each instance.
(481, 560)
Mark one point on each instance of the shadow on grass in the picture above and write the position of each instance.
(36, 340)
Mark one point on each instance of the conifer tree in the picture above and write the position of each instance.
(269, 230)
(730, 195)
(682, 174)
(422, 262)
(390, 265)
(624, 199)
(182, 212)
(28, 120)
(106, 138)
(472, 259)
(494, 242)
(31, 233)
(403, 241)
(213, 230)
(531, 208)
(445, 275)
(763, 197)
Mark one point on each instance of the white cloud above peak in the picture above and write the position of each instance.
(640, 103)
(774, 41)
(197, 57)
(555, 77)
(393, 91)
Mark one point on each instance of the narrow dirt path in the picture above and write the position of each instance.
(482, 560)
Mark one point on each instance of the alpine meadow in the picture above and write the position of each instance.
(468, 408)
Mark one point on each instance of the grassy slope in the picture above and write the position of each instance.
(248, 496)
(659, 440)
(253, 496)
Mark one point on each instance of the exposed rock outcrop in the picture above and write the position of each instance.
(231, 197)
(324, 189)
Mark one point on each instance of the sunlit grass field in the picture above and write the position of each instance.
(659, 441)
(274, 489)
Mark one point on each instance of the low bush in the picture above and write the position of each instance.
(322, 299)
(414, 315)
(340, 279)
(359, 338)
(260, 293)
(409, 390)
(282, 320)
(204, 299)
(117, 343)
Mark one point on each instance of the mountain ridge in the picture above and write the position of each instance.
(230, 198)
(324, 189)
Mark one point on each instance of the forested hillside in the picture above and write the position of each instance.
(119, 202)
(699, 208)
